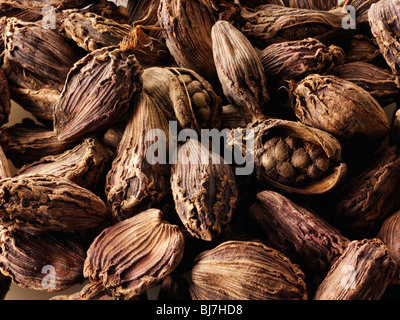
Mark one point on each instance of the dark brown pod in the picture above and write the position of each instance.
(42, 203)
(240, 71)
(361, 9)
(380, 83)
(246, 270)
(174, 287)
(385, 26)
(204, 190)
(361, 48)
(311, 4)
(83, 165)
(306, 235)
(389, 233)
(135, 254)
(27, 141)
(369, 198)
(36, 77)
(57, 4)
(342, 109)
(256, 3)
(143, 12)
(270, 23)
(136, 181)
(362, 272)
(294, 60)
(183, 96)
(109, 10)
(96, 93)
(92, 31)
(46, 262)
(187, 30)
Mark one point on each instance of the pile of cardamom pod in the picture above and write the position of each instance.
(211, 149)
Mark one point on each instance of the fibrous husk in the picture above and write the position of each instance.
(83, 165)
(308, 236)
(50, 261)
(184, 96)
(135, 254)
(92, 31)
(270, 23)
(246, 270)
(380, 83)
(36, 77)
(383, 18)
(97, 92)
(42, 202)
(342, 109)
(187, 30)
(294, 60)
(136, 180)
(204, 190)
(239, 69)
(362, 272)
(311, 4)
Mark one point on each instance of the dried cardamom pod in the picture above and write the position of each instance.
(256, 3)
(135, 254)
(361, 48)
(245, 270)
(239, 69)
(143, 12)
(47, 262)
(92, 31)
(5, 100)
(26, 142)
(83, 165)
(136, 180)
(97, 92)
(4, 167)
(385, 26)
(362, 7)
(389, 234)
(294, 60)
(204, 190)
(293, 157)
(271, 23)
(109, 10)
(57, 4)
(36, 76)
(370, 197)
(362, 272)
(311, 4)
(187, 30)
(38, 203)
(359, 126)
(297, 232)
(185, 96)
(232, 119)
(380, 83)
(19, 11)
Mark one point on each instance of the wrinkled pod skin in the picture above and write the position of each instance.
(135, 254)
(245, 270)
